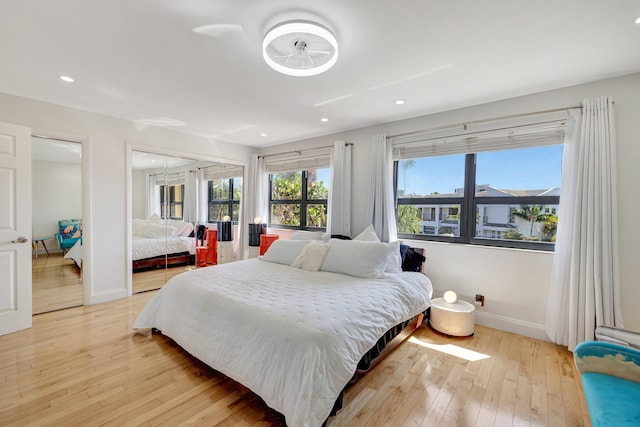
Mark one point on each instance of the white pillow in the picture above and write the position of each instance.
(155, 231)
(357, 258)
(138, 226)
(154, 218)
(186, 231)
(307, 235)
(284, 251)
(312, 256)
(368, 235)
(394, 263)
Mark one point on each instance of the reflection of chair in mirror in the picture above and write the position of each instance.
(70, 231)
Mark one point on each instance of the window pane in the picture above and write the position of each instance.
(219, 189)
(285, 214)
(318, 184)
(316, 215)
(237, 188)
(217, 212)
(431, 220)
(286, 186)
(534, 223)
(522, 172)
(432, 177)
(235, 212)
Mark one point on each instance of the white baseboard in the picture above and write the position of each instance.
(105, 296)
(520, 327)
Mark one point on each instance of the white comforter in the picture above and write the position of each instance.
(291, 336)
(144, 247)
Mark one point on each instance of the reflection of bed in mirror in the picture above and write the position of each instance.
(75, 253)
(160, 243)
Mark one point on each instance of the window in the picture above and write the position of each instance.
(224, 198)
(171, 201)
(296, 192)
(497, 198)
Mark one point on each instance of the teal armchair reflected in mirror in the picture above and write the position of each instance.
(70, 231)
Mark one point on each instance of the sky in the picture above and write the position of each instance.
(520, 169)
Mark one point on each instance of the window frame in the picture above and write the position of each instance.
(304, 202)
(468, 203)
(230, 202)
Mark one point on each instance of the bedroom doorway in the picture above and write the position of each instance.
(56, 177)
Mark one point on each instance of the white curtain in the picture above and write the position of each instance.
(202, 197)
(339, 209)
(255, 196)
(153, 196)
(189, 204)
(585, 289)
(381, 212)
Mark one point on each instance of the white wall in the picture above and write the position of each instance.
(57, 194)
(105, 212)
(139, 194)
(515, 282)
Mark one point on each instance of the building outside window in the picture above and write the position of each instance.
(298, 199)
(500, 198)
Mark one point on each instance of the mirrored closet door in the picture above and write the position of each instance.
(174, 200)
(56, 176)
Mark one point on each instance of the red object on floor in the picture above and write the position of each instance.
(212, 238)
(212, 256)
(266, 240)
(201, 256)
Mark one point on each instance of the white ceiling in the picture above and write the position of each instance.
(141, 60)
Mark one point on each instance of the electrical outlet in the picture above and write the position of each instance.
(480, 299)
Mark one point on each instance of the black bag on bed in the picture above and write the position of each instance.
(411, 259)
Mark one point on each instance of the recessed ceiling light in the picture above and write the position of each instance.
(263, 134)
(399, 101)
(67, 79)
(638, 20)
(300, 48)
(324, 119)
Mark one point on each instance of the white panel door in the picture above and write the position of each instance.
(15, 228)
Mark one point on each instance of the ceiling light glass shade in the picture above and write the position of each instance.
(300, 48)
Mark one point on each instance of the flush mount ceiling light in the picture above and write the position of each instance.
(300, 48)
(67, 79)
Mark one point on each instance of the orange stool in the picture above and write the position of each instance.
(266, 240)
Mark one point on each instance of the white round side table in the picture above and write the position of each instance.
(452, 318)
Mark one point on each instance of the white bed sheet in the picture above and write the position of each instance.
(75, 253)
(291, 336)
(144, 247)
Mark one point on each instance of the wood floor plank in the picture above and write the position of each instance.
(85, 366)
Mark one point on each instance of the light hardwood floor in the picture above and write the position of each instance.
(84, 366)
(56, 283)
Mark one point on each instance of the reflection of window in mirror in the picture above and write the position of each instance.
(172, 201)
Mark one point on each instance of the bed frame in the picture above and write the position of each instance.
(170, 260)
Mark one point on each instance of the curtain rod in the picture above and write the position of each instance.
(264, 156)
(465, 124)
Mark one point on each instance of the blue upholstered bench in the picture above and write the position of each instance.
(611, 382)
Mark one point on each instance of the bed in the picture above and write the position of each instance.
(292, 335)
(156, 244)
(75, 253)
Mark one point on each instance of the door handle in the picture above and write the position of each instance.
(20, 239)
